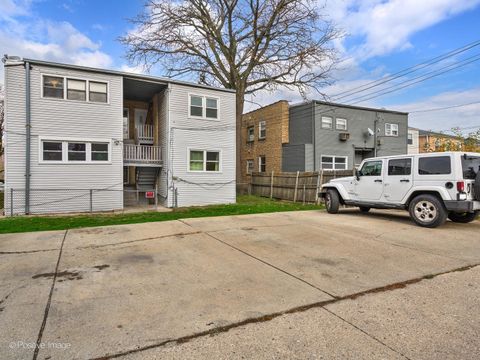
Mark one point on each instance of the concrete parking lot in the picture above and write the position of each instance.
(284, 285)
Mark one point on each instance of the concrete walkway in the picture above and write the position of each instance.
(300, 284)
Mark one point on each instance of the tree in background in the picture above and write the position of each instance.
(245, 45)
(455, 142)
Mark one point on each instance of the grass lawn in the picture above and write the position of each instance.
(244, 205)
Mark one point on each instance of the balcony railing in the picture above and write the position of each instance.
(144, 133)
(142, 155)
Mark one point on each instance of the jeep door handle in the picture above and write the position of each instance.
(404, 180)
(379, 181)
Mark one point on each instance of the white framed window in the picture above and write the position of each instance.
(262, 163)
(251, 134)
(327, 122)
(391, 129)
(203, 107)
(410, 139)
(332, 162)
(341, 124)
(53, 87)
(74, 89)
(204, 160)
(262, 130)
(98, 91)
(250, 165)
(74, 151)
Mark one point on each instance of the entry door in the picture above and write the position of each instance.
(369, 187)
(398, 179)
(140, 117)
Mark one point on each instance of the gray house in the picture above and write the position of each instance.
(331, 136)
(84, 139)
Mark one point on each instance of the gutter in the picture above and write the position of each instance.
(27, 137)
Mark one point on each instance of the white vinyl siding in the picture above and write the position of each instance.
(391, 129)
(331, 162)
(65, 119)
(195, 133)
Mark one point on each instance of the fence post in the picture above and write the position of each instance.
(271, 186)
(296, 187)
(11, 202)
(317, 189)
(156, 200)
(304, 193)
(91, 201)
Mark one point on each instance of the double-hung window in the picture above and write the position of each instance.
(327, 122)
(76, 89)
(262, 164)
(262, 130)
(69, 151)
(65, 88)
(250, 165)
(203, 107)
(53, 87)
(334, 162)
(391, 129)
(341, 124)
(98, 92)
(410, 139)
(203, 160)
(250, 133)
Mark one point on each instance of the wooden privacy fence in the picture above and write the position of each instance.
(293, 186)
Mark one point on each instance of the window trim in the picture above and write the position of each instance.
(260, 164)
(65, 82)
(260, 130)
(331, 124)
(409, 138)
(204, 171)
(252, 161)
(253, 134)
(65, 140)
(391, 130)
(336, 124)
(204, 107)
(334, 162)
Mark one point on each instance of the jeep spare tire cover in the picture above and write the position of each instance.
(476, 186)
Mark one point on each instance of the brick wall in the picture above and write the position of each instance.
(276, 119)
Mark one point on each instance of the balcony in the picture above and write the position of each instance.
(142, 155)
(144, 134)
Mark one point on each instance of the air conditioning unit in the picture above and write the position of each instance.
(344, 136)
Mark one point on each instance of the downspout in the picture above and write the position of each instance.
(313, 136)
(27, 137)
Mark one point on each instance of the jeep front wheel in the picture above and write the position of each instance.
(332, 201)
(427, 211)
(463, 217)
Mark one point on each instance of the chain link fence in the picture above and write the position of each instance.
(55, 201)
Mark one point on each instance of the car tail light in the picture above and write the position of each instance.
(460, 186)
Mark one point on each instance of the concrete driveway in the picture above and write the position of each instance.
(285, 285)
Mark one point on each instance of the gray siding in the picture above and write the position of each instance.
(198, 188)
(327, 142)
(63, 119)
(294, 157)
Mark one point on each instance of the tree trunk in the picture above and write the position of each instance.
(240, 95)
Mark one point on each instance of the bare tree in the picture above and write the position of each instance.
(246, 45)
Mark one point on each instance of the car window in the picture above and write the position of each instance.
(371, 168)
(434, 165)
(399, 167)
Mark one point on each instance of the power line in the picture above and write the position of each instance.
(444, 108)
(405, 71)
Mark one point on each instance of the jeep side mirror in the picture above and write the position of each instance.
(357, 174)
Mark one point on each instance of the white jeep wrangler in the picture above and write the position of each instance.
(431, 186)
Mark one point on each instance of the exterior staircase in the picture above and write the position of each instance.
(146, 178)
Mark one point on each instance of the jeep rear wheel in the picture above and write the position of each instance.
(427, 211)
(332, 201)
(463, 217)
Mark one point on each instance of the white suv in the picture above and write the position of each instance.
(431, 186)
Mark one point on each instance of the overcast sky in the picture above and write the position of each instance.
(383, 37)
